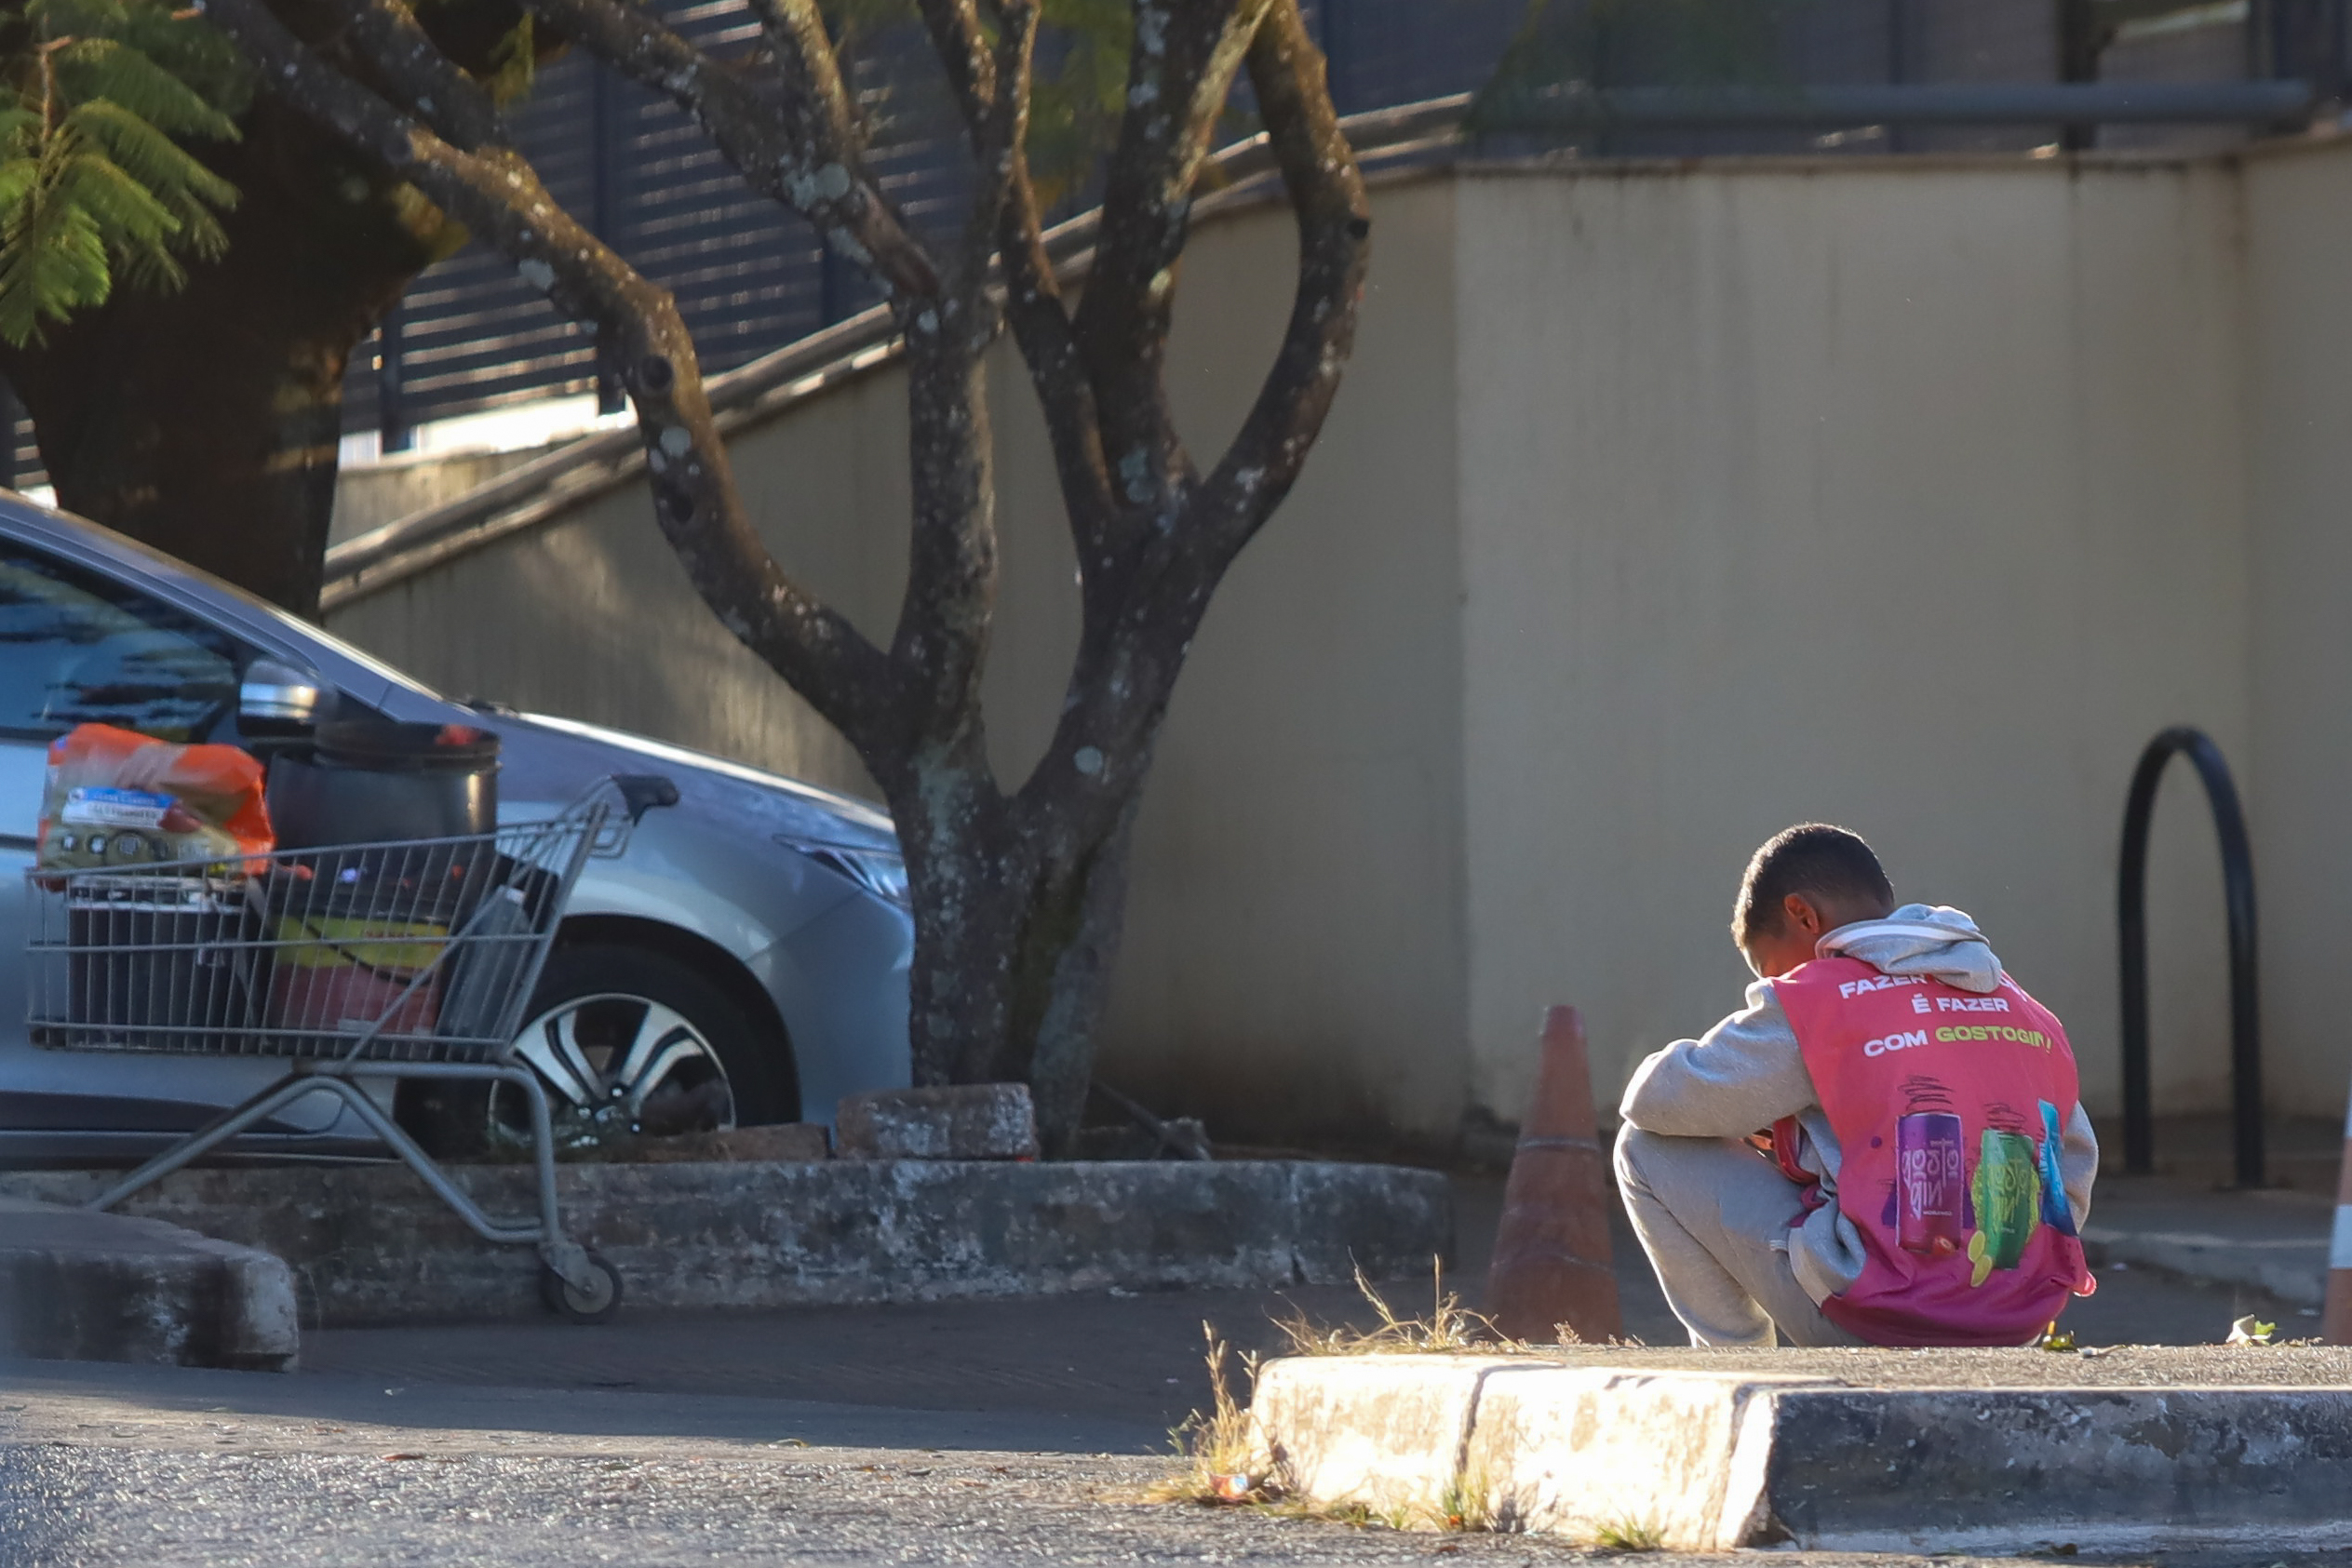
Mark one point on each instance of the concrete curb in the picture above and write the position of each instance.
(371, 1245)
(1712, 1460)
(2293, 1270)
(2273, 1240)
(81, 1286)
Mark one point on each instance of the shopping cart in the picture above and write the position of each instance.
(353, 963)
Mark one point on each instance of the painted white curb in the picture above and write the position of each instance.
(1712, 1460)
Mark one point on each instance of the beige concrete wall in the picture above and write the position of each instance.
(1662, 508)
(1294, 940)
(1294, 953)
(2298, 333)
(592, 617)
(370, 495)
(1906, 498)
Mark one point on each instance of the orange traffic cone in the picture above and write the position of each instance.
(1552, 1266)
(2336, 1327)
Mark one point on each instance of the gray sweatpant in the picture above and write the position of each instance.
(1713, 1216)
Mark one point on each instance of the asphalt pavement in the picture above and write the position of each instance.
(131, 1470)
(995, 1431)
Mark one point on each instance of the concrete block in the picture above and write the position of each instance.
(1380, 1432)
(76, 1285)
(369, 1245)
(1982, 1451)
(954, 1121)
(1592, 1453)
(2100, 1469)
(1533, 1444)
(793, 1142)
(1337, 1216)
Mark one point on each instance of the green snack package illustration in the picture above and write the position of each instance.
(2009, 1196)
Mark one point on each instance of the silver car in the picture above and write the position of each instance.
(744, 962)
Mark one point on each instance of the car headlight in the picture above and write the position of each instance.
(880, 872)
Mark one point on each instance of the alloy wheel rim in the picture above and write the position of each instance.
(604, 1060)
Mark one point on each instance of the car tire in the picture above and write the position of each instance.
(595, 1003)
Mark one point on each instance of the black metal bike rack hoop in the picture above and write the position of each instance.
(2132, 924)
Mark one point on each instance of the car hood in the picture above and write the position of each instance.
(551, 761)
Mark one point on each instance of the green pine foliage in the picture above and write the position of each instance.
(97, 98)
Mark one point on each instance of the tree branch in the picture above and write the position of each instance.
(1334, 248)
(815, 100)
(495, 194)
(1041, 328)
(798, 148)
(962, 47)
(1132, 644)
(1033, 300)
(1180, 72)
(942, 642)
(457, 107)
(998, 134)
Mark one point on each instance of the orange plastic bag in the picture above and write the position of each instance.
(118, 798)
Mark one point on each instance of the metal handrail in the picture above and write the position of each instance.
(1241, 174)
(2131, 926)
(1579, 107)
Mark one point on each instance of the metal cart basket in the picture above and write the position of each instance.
(354, 961)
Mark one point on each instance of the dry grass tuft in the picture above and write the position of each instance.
(1468, 1504)
(1220, 1459)
(1631, 1534)
(1449, 1329)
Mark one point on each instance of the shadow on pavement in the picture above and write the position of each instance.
(96, 1403)
(1094, 1373)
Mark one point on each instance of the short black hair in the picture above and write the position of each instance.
(1829, 864)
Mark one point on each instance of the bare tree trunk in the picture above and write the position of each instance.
(1071, 950)
(1018, 915)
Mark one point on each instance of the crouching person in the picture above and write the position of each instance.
(1924, 1165)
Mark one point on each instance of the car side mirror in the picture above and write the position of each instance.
(276, 697)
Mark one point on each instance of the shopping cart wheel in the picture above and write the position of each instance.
(596, 1305)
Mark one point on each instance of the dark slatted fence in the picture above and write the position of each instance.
(751, 277)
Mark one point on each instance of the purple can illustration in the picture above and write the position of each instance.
(1931, 1183)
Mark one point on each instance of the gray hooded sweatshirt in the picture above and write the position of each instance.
(1747, 1073)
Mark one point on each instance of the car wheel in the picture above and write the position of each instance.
(626, 1041)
